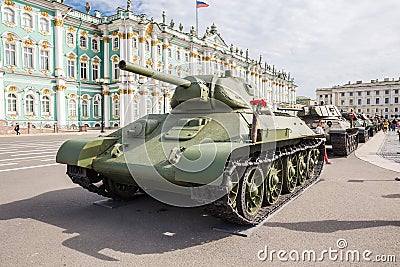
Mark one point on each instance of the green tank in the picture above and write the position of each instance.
(340, 134)
(218, 148)
(357, 122)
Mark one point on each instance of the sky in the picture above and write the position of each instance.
(321, 43)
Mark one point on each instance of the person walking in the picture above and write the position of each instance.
(320, 130)
(16, 129)
(385, 126)
(394, 122)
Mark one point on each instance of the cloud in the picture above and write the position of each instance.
(322, 43)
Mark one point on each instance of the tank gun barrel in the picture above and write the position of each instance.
(135, 68)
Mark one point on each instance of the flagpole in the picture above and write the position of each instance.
(197, 19)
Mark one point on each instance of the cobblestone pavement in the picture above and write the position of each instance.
(390, 148)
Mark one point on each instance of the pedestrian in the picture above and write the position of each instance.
(385, 126)
(394, 122)
(320, 130)
(16, 129)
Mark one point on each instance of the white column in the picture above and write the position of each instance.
(156, 105)
(142, 102)
(142, 53)
(193, 62)
(3, 100)
(154, 53)
(106, 104)
(165, 54)
(59, 55)
(106, 61)
(60, 102)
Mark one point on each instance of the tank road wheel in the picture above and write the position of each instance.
(120, 191)
(312, 160)
(233, 187)
(251, 192)
(301, 168)
(289, 174)
(273, 182)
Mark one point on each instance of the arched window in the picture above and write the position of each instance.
(116, 107)
(187, 57)
(96, 108)
(95, 45)
(149, 106)
(85, 108)
(159, 50)
(178, 55)
(12, 103)
(116, 43)
(44, 25)
(82, 42)
(169, 52)
(72, 108)
(45, 105)
(8, 15)
(70, 38)
(44, 60)
(29, 104)
(27, 20)
(147, 46)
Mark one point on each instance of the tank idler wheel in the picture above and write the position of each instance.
(301, 168)
(273, 182)
(289, 174)
(251, 192)
(312, 160)
(121, 191)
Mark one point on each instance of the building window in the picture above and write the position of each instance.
(135, 108)
(386, 92)
(10, 54)
(29, 104)
(368, 101)
(27, 20)
(8, 15)
(359, 93)
(83, 42)
(96, 108)
(116, 43)
(396, 91)
(396, 100)
(95, 71)
(377, 92)
(71, 68)
(368, 93)
(116, 71)
(116, 107)
(70, 38)
(342, 103)
(28, 57)
(342, 94)
(377, 101)
(95, 45)
(396, 109)
(84, 70)
(178, 55)
(12, 103)
(147, 46)
(45, 105)
(351, 93)
(72, 108)
(187, 57)
(351, 101)
(85, 108)
(359, 111)
(359, 101)
(44, 25)
(169, 52)
(134, 43)
(386, 110)
(159, 50)
(386, 100)
(44, 60)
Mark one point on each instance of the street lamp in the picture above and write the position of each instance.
(101, 82)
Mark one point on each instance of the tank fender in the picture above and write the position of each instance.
(204, 163)
(81, 152)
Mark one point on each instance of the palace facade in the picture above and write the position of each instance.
(376, 98)
(60, 66)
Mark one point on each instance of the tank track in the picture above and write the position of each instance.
(221, 207)
(344, 144)
(79, 177)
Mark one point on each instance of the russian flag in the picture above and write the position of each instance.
(200, 4)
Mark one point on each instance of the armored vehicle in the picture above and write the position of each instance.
(340, 134)
(357, 122)
(372, 127)
(218, 147)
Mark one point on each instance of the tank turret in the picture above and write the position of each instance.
(233, 91)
